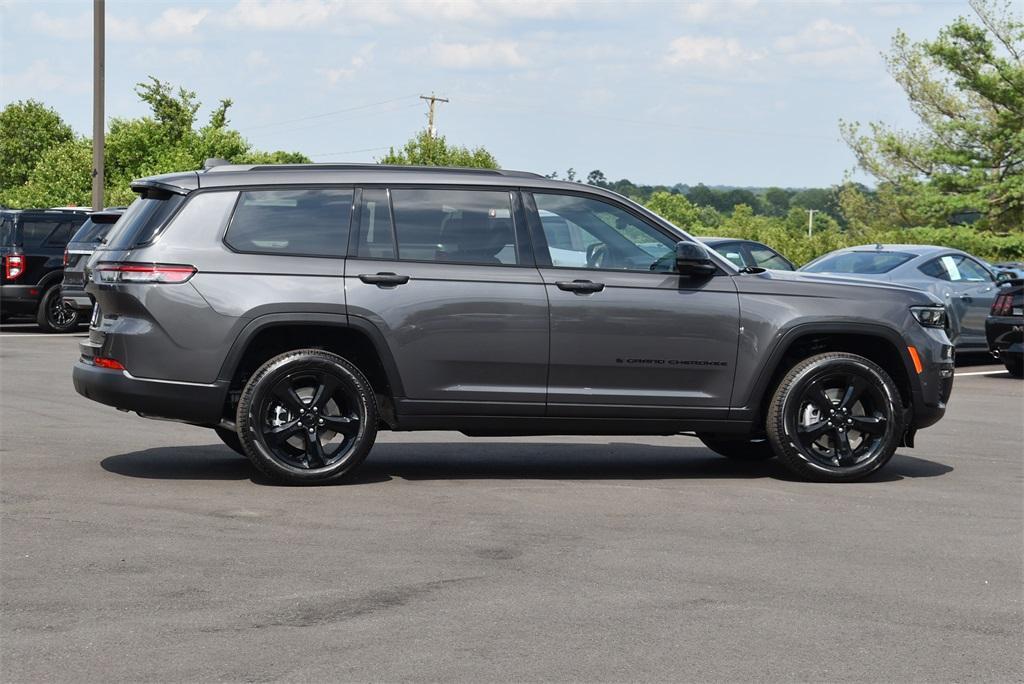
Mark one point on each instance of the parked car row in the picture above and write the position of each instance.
(973, 290)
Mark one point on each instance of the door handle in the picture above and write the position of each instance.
(579, 286)
(966, 298)
(383, 279)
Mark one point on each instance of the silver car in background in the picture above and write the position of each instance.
(964, 283)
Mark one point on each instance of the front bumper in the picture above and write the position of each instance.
(201, 404)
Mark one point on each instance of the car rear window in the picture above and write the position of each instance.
(868, 263)
(6, 231)
(141, 221)
(92, 231)
(297, 222)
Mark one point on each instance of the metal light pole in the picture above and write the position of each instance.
(98, 127)
(810, 221)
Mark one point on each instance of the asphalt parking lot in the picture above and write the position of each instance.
(141, 550)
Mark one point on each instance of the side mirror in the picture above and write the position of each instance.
(693, 260)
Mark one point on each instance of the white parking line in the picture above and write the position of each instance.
(43, 335)
(995, 372)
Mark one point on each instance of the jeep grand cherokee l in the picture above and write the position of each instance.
(297, 310)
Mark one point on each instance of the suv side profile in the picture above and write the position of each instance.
(297, 310)
(32, 245)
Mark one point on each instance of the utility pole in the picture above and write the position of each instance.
(98, 127)
(432, 99)
(810, 221)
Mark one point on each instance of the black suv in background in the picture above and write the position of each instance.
(84, 242)
(297, 310)
(32, 243)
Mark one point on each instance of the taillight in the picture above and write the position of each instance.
(126, 272)
(1003, 305)
(104, 362)
(65, 258)
(14, 266)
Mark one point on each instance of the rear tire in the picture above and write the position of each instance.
(230, 438)
(835, 417)
(739, 449)
(1014, 364)
(307, 417)
(53, 316)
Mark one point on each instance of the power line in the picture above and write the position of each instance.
(332, 113)
(281, 131)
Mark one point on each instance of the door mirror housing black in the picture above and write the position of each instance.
(693, 260)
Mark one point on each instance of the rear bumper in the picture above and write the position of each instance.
(1005, 335)
(201, 404)
(20, 298)
(76, 298)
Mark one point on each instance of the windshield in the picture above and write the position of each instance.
(868, 263)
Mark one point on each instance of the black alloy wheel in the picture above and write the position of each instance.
(835, 417)
(307, 416)
(54, 315)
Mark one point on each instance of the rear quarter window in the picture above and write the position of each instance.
(297, 222)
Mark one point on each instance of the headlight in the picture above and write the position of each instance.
(930, 316)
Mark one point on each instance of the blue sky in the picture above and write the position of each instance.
(737, 92)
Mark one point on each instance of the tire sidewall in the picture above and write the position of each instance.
(261, 383)
(787, 443)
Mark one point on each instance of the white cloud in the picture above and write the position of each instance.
(177, 22)
(334, 75)
(712, 51)
(709, 10)
(826, 43)
(174, 23)
(40, 76)
(477, 55)
(283, 14)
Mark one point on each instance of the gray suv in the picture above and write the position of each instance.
(297, 310)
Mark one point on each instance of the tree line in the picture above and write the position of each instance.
(957, 180)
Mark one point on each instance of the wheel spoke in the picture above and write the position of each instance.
(315, 450)
(816, 395)
(292, 401)
(813, 431)
(324, 391)
(343, 424)
(854, 388)
(843, 450)
(282, 432)
(872, 425)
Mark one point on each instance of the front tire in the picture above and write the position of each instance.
(739, 449)
(307, 417)
(835, 417)
(54, 316)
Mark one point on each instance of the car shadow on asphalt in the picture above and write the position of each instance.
(497, 460)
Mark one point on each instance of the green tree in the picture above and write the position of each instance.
(776, 201)
(425, 149)
(166, 141)
(967, 89)
(27, 130)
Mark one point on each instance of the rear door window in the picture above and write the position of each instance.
(297, 222)
(868, 263)
(956, 268)
(455, 226)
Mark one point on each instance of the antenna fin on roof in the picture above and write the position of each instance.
(214, 161)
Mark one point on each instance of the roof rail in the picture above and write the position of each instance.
(214, 161)
(381, 167)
